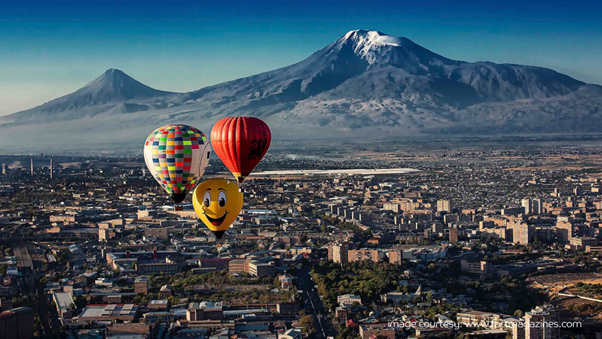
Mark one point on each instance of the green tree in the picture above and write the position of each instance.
(429, 296)
(307, 323)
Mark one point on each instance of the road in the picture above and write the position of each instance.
(43, 312)
(35, 290)
(313, 305)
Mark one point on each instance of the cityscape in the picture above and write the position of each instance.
(485, 241)
(316, 169)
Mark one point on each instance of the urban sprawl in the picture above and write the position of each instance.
(476, 243)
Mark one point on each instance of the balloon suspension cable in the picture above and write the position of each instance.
(241, 187)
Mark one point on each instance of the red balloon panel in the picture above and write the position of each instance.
(241, 143)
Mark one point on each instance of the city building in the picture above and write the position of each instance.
(288, 308)
(536, 323)
(349, 300)
(383, 331)
(395, 257)
(64, 303)
(158, 305)
(526, 204)
(474, 319)
(453, 235)
(444, 206)
(364, 254)
(158, 317)
(165, 291)
(584, 242)
(17, 323)
(141, 285)
(338, 253)
(261, 269)
(217, 263)
(238, 266)
(537, 206)
(108, 312)
(204, 311)
(292, 333)
(475, 267)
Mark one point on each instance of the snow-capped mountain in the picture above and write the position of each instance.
(365, 81)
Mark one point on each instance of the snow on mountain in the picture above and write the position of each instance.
(364, 81)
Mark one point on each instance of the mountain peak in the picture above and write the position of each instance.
(113, 75)
(380, 49)
(111, 88)
(115, 85)
(370, 38)
(115, 72)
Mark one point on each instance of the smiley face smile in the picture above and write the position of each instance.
(218, 221)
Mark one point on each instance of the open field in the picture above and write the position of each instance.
(355, 171)
(565, 279)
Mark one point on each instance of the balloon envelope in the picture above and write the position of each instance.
(217, 202)
(177, 155)
(241, 143)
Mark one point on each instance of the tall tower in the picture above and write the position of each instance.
(338, 253)
(527, 205)
(537, 206)
(51, 169)
(536, 323)
(444, 206)
(3, 169)
(31, 169)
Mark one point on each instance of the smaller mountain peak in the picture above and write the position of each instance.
(114, 76)
(114, 72)
(115, 86)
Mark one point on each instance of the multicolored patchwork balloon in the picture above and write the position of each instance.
(177, 155)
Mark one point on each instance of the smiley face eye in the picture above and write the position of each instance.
(221, 199)
(207, 199)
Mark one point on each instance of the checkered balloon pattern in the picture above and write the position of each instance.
(177, 155)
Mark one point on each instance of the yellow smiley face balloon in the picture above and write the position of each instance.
(217, 202)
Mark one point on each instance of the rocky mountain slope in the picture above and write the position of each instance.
(365, 83)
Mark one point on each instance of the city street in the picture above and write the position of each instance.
(313, 305)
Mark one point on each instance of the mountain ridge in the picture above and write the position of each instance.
(364, 81)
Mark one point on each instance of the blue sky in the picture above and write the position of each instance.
(50, 49)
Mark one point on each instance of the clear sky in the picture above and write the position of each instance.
(51, 48)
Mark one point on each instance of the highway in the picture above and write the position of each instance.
(313, 306)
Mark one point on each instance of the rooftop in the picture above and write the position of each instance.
(109, 310)
(205, 305)
(62, 300)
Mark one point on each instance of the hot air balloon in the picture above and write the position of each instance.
(241, 143)
(217, 202)
(177, 155)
